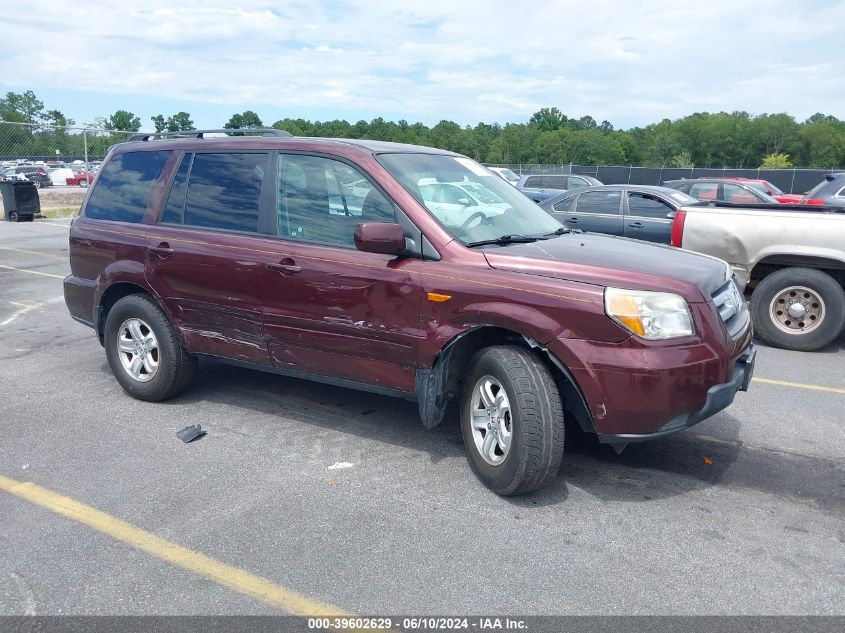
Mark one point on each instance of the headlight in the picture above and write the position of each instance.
(650, 315)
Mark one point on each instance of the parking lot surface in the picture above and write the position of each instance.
(743, 514)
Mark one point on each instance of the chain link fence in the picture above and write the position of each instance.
(60, 153)
(788, 180)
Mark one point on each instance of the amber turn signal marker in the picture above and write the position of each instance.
(438, 298)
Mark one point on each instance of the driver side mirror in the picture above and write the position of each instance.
(670, 215)
(380, 237)
(466, 202)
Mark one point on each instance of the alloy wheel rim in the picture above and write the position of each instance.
(490, 417)
(797, 310)
(138, 350)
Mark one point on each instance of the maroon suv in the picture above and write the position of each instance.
(401, 270)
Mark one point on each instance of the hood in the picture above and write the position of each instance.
(614, 261)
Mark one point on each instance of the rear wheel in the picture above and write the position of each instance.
(512, 420)
(798, 308)
(37, 184)
(143, 351)
(83, 183)
(13, 216)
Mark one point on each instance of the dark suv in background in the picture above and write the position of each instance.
(540, 187)
(321, 259)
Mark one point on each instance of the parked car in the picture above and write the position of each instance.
(769, 189)
(59, 175)
(830, 191)
(228, 248)
(36, 175)
(540, 187)
(640, 211)
(81, 179)
(790, 259)
(722, 190)
(505, 173)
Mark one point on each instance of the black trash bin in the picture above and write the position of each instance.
(20, 200)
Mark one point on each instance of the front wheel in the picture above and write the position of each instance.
(143, 351)
(800, 309)
(13, 216)
(83, 183)
(512, 420)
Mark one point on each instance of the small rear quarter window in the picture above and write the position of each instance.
(125, 186)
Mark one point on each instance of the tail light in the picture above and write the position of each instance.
(812, 201)
(678, 228)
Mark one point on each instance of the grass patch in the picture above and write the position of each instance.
(62, 212)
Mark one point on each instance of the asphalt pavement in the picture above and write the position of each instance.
(743, 514)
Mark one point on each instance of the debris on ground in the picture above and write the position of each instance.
(339, 465)
(190, 433)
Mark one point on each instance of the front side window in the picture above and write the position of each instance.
(599, 202)
(574, 183)
(487, 207)
(125, 186)
(321, 200)
(224, 191)
(534, 182)
(645, 206)
(741, 195)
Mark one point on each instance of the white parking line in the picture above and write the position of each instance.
(20, 250)
(33, 272)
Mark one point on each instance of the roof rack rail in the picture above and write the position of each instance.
(247, 131)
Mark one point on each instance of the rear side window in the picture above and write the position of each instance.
(554, 182)
(704, 190)
(125, 186)
(224, 191)
(599, 202)
(175, 207)
(564, 205)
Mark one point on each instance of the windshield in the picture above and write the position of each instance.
(472, 203)
(507, 173)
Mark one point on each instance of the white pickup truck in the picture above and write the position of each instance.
(790, 258)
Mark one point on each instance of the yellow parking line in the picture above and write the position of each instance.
(34, 272)
(221, 573)
(798, 385)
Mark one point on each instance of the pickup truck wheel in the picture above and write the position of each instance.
(512, 420)
(800, 309)
(143, 351)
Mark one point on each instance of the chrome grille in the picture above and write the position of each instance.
(732, 308)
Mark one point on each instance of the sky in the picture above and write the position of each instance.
(631, 63)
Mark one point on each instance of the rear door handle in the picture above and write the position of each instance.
(571, 219)
(636, 225)
(163, 250)
(285, 266)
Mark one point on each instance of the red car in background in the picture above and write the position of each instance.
(80, 179)
(768, 188)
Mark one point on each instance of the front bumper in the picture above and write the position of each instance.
(718, 397)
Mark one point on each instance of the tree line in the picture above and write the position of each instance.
(702, 139)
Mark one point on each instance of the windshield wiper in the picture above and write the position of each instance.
(560, 231)
(506, 239)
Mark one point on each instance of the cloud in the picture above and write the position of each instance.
(466, 61)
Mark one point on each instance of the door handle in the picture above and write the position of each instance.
(571, 219)
(636, 225)
(285, 266)
(163, 250)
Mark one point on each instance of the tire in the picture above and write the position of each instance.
(163, 374)
(534, 415)
(13, 216)
(37, 184)
(83, 183)
(815, 296)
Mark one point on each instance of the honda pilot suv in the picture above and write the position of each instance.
(325, 259)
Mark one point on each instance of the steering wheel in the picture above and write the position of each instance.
(468, 221)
